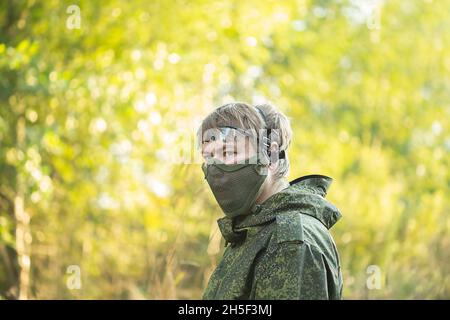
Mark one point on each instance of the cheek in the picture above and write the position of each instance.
(233, 159)
(208, 148)
(213, 149)
(251, 150)
(245, 150)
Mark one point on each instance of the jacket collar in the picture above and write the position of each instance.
(302, 195)
(319, 183)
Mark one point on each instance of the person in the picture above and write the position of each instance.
(277, 239)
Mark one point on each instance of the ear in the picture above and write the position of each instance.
(274, 149)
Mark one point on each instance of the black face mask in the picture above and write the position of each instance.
(235, 186)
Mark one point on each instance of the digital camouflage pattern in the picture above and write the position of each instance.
(282, 249)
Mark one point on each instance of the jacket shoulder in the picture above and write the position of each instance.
(289, 227)
(296, 227)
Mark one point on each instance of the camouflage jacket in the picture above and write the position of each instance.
(282, 249)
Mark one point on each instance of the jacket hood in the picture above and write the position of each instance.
(305, 195)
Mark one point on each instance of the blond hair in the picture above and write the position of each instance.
(254, 118)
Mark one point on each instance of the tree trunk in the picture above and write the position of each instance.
(23, 235)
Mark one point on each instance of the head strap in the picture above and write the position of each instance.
(281, 154)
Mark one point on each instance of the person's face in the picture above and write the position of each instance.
(228, 146)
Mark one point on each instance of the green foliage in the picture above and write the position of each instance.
(107, 106)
